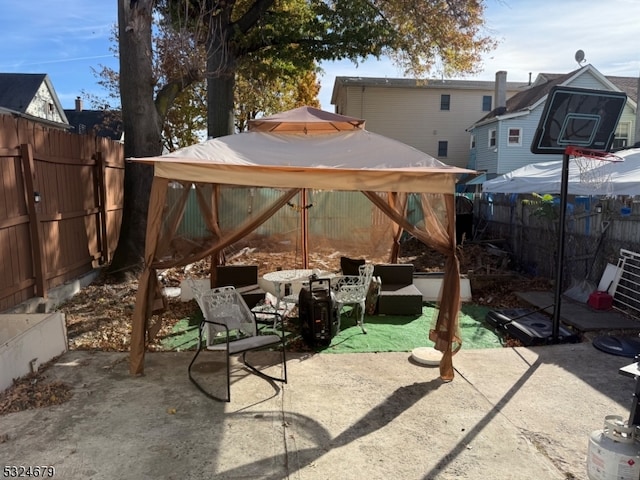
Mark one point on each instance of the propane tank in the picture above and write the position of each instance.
(614, 451)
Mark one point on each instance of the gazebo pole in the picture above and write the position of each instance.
(305, 230)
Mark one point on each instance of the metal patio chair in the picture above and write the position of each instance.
(352, 290)
(229, 327)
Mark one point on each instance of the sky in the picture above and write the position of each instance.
(71, 39)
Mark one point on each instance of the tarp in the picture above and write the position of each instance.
(301, 149)
(605, 178)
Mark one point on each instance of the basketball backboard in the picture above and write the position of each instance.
(578, 117)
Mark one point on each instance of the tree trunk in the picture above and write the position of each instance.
(221, 65)
(142, 128)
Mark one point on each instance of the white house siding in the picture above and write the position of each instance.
(43, 105)
(412, 115)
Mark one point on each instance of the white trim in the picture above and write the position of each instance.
(514, 144)
(494, 138)
(498, 118)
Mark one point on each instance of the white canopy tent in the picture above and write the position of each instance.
(609, 178)
(301, 149)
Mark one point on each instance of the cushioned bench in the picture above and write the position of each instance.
(398, 294)
(244, 278)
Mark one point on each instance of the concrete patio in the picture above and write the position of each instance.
(511, 413)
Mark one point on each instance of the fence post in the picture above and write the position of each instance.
(28, 173)
(101, 188)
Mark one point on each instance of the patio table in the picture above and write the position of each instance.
(283, 278)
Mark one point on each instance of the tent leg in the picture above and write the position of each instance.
(305, 230)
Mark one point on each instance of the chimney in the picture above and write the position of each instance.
(78, 104)
(500, 96)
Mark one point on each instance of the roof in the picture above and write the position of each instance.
(99, 122)
(423, 83)
(419, 83)
(524, 100)
(628, 85)
(18, 89)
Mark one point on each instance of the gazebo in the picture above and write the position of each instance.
(301, 149)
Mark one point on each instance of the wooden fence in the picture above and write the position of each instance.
(595, 231)
(60, 207)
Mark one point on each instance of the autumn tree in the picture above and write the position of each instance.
(264, 90)
(418, 35)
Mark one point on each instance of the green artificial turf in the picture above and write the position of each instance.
(385, 333)
(388, 333)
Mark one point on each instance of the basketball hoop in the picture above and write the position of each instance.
(579, 123)
(595, 168)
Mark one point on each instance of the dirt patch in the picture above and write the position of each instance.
(33, 391)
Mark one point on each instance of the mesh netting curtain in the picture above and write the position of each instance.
(437, 230)
(168, 246)
(184, 225)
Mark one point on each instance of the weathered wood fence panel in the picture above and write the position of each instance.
(595, 231)
(60, 207)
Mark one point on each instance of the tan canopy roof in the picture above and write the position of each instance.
(305, 119)
(343, 160)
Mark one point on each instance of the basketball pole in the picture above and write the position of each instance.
(564, 185)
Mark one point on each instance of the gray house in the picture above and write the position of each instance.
(501, 140)
(31, 96)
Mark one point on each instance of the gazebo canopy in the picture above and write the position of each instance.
(301, 149)
(309, 148)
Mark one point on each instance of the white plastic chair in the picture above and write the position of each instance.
(352, 290)
(230, 327)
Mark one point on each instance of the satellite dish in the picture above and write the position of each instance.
(579, 57)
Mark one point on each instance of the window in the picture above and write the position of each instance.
(473, 141)
(492, 138)
(515, 137)
(621, 138)
(443, 146)
(486, 103)
(445, 102)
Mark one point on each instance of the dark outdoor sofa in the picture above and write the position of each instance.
(244, 278)
(398, 294)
